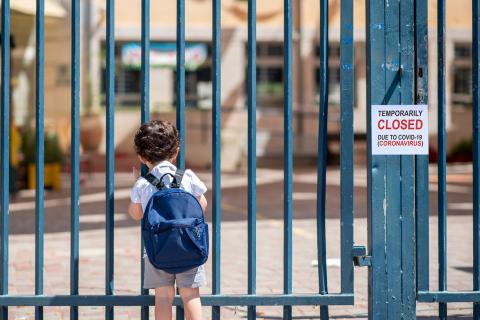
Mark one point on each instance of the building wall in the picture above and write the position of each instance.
(57, 70)
(22, 66)
(234, 60)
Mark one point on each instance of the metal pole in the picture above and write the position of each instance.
(252, 163)
(347, 100)
(216, 152)
(421, 162)
(144, 117)
(391, 223)
(110, 156)
(5, 150)
(75, 155)
(322, 156)
(442, 158)
(476, 151)
(39, 156)
(287, 156)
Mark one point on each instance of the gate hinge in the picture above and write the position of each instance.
(360, 258)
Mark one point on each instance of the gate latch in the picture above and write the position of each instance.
(360, 258)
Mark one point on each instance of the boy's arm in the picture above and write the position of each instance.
(135, 208)
(198, 188)
(203, 202)
(135, 211)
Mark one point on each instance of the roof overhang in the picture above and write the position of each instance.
(53, 9)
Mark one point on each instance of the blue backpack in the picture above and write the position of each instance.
(173, 227)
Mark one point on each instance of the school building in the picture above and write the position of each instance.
(234, 61)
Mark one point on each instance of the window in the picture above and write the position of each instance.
(198, 88)
(198, 84)
(269, 74)
(266, 50)
(198, 92)
(462, 74)
(127, 86)
(127, 80)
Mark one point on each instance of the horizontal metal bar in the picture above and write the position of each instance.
(448, 296)
(207, 300)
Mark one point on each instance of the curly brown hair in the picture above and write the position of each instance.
(157, 141)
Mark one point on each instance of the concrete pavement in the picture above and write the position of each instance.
(234, 252)
(234, 268)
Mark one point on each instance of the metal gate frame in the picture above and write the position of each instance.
(216, 299)
(397, 228)
(424, 293)
(409, 65)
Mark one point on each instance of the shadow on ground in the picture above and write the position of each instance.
(450, 317)
(269, 205)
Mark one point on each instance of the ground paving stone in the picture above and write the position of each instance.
(234, 268)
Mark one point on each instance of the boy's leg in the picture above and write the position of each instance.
(191, 303)
(163, 302)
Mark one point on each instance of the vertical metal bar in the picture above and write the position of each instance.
(407, 170)
(421, 161)
(393, 197)
(322, 156)
(181, 80)
(181, 97)
(476, 151)
(39, 156)
(375, 49)
(347, 85)
(216, 145)
(145, 116)
(75, 155)
(287, 155)
(145, 67)
(110, 156)
(252, 152)
(390, 65)
(5, 149)
(442, 156)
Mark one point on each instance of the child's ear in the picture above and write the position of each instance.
(141, 159)
(174, 158)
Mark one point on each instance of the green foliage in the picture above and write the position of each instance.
(273, 88)
(464, 146)
(461, 152)
(53, 152)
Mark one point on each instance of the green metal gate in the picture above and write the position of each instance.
(396, 33)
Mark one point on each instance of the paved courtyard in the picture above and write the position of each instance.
(234, 245)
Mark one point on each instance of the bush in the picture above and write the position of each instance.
(53, 152)
(461, 152)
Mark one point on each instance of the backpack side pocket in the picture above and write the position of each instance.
(199, 236)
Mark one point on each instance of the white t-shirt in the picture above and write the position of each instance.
(143, 190)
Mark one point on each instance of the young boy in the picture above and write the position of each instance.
(157, 146)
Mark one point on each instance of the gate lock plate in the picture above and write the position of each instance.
(360, 258)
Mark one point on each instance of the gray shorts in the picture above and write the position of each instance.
(155, 278)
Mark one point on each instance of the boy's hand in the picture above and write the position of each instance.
(136, 173)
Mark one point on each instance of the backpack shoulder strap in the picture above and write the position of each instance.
(177, 181)
(157, 183)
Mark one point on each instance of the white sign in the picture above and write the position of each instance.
(399, 129)
(164, 55)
